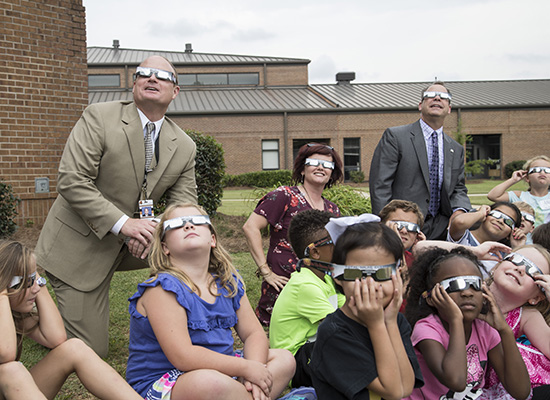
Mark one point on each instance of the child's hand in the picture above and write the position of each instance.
(517, 238)
(493, 316)
(446, 307)
(366, 303)
(518, 175)
(490, 250)
(419, 237)
(256, 375)
(483, 211)
(391, 311)
(543, 281)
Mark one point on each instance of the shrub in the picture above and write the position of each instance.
(8, 210)
(260, 179)
(513, 166)
(357, 176)
(209, 172)
(349, 200)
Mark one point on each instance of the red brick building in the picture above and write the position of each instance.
(43, 90)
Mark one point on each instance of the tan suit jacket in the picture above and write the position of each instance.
(100, 179)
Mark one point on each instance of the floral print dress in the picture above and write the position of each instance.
(278, 207)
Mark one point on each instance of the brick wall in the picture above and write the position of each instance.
(524, 133)
(43, 90)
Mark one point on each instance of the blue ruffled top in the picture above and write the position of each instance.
(209, 326)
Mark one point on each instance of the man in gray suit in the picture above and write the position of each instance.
(93, 227)
(419, 163)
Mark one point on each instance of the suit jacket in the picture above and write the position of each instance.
(100, 178)
(399, 170)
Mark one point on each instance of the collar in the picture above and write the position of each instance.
(145, 120)
(427, 129)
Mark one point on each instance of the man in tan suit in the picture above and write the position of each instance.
(93, 227)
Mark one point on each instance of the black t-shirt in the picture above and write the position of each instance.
(343, 364)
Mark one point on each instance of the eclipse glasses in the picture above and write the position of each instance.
(506, 219)
(531, 268)
(146, 72)
(432, 95)
(180, 222)
(16, 281)
(351, 272)
(313, 162)
(409, 226)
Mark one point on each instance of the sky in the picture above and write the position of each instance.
(381, 41)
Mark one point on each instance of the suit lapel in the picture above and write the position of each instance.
(132, 127)
(448, 157)
(419, 145)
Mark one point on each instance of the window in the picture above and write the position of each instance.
(352, 156)
(104, 80)
(270, 154)
(218, 79)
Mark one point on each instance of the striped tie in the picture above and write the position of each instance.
(433, 208)
(149, 146)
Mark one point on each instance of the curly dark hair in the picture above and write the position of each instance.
(306, 227)
(306, 151)
(365, 235)
(422, 273)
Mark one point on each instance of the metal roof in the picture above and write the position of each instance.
(232, 100)
(334, 97)
(466, 94)
(98, 56)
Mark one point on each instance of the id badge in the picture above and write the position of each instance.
(146, 209)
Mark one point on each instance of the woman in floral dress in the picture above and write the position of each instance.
(316, 167)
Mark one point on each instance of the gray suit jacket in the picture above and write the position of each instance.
(100, 177)
(399, 170)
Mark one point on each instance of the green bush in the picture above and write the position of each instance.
(8, 210)
(357, 176)
(513, 166)
(260, 179)
(349, 200)
(209, 172)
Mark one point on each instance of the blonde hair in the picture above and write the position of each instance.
(528, 163)
(16, 260)
(542, 306)
(523, 206)
(220, 265)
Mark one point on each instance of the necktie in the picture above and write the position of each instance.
(434, 177)
(149, 145)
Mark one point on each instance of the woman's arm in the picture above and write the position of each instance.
(498, 193)
(465, 221)
(8, 344)
(252, 231)
(50, 331)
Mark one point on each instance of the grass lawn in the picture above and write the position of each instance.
(124, 284)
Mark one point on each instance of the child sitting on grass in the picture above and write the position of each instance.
(406, 219)
(363, 349)
(308, 296)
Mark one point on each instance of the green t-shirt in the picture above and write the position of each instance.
(303, 303)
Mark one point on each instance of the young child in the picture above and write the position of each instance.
(27, 309)
(498, 223)
(454, 341)
(527, 220)
(536, 172)
(181, 343)
(363, 349)
(308, 296)
(406, 218)
(520, 285)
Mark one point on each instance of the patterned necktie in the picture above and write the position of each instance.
(149, 145)
(434, 177)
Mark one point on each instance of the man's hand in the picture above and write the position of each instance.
(140, 232)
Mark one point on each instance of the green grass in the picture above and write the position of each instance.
(123, 285)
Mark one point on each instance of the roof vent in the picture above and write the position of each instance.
(188, 48)
(116, 44)
(344, 78)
